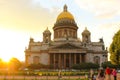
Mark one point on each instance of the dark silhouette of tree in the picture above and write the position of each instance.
(115, 49)
(14, 64)
(38, 66)
(3, 64)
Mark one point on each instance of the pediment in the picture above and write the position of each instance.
(67, 46)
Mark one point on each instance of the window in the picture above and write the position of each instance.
(97, 59)
(36, 59)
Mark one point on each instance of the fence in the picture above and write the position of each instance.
(14, 77)
(44, 75)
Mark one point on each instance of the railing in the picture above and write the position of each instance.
(14, 77)
(43, 75)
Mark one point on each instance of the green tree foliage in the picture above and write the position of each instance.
(109, 64)
(85, 66)
(115, 49)
(37, 66)
(14, 64)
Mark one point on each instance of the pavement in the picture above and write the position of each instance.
(14, 77)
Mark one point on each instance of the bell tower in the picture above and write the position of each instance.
(86, 36)
(46, 36)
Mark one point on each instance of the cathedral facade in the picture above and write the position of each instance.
(66, 49)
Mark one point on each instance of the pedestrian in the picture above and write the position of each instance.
(59, 74)
(114, 73)
(91, 74)
(108, 73)
(101, 75)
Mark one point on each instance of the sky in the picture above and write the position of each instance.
(22, 19)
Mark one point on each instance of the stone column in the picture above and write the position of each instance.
(80, 58)
(70, 60)
(26, 59)
(85, 58)
(74, 58)
(55, 34)
(54, 60)
(59, 56)
(64, 60)
(58, 34)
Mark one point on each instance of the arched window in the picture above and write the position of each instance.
(86, 38)
(46, 39)
(97, 59)
(65, 33)
(36, 59)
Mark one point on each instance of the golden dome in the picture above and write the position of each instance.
(65, 14)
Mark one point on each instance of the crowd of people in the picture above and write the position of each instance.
(103, 74)
(106, 74)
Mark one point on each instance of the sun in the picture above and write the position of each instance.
(12, 44)
(6, 59)
(5, 45)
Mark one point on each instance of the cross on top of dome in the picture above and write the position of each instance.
(65, 8)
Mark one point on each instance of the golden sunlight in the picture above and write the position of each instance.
(6, 45)
(6, 59)
(11, 45)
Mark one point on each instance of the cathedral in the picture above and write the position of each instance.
(66, 49)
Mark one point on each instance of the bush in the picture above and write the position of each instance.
(85, 66)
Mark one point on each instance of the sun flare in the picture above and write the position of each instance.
(10, 45)
(6, 59)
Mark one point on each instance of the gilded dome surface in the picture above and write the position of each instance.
(65, 14)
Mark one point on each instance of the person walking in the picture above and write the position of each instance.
(108, 73)
(92, 74)
(59, 74)
(114, 73)
(101, 75)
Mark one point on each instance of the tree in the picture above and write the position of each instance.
(109, 64)
(38, 66)
(14, 64)
(115, 49)
(3, 64)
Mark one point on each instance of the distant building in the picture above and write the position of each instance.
(66, 48)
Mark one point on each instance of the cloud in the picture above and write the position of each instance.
(20, 19)
(23, 15)
(101, 8)
(104, 9)
(107, 31)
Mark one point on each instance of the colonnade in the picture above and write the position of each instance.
(66, 60)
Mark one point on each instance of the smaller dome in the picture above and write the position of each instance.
(65, 14)
(86, 31)
(31, 39)
(47, 31)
